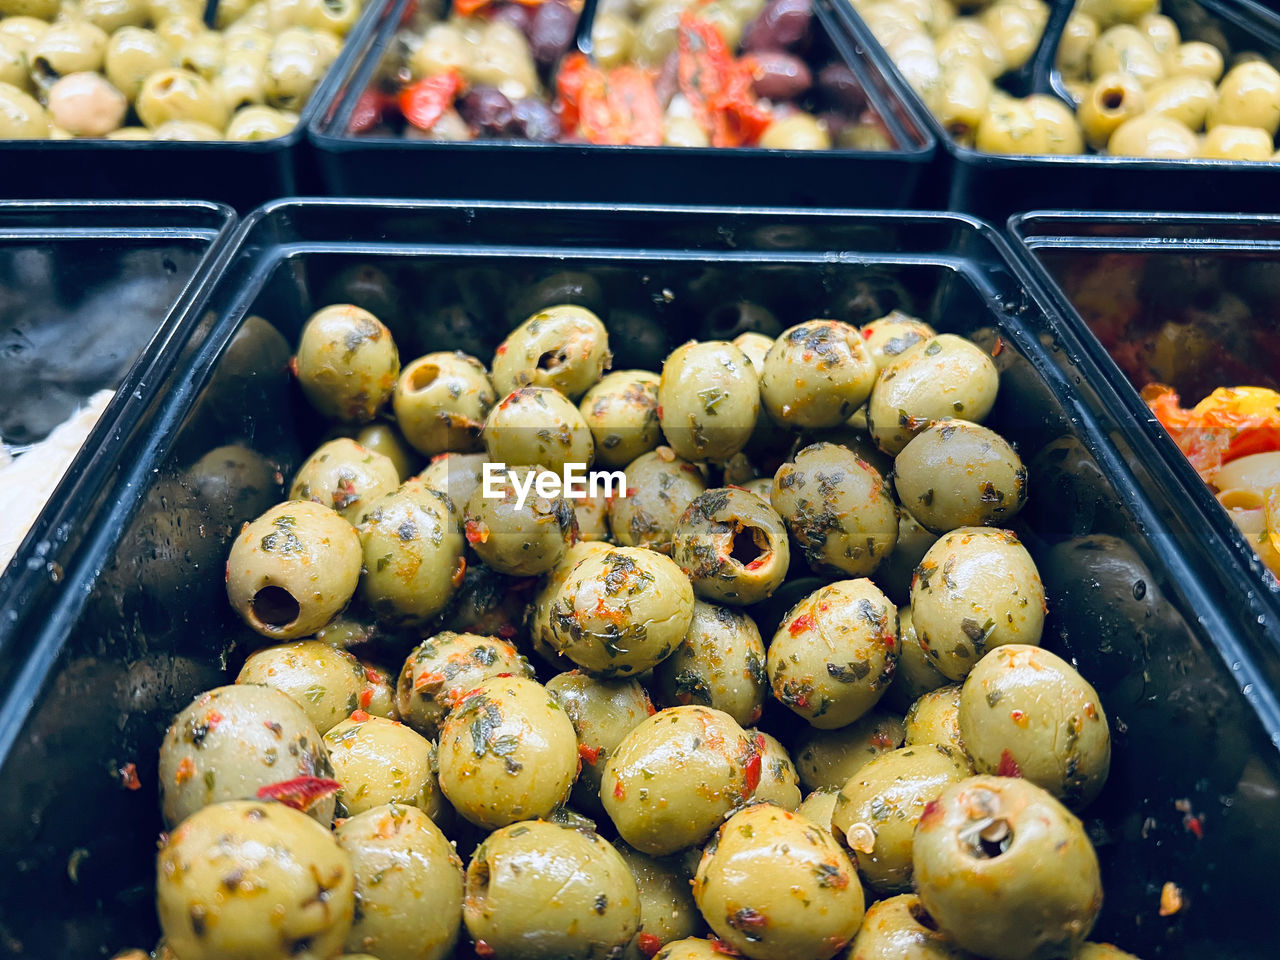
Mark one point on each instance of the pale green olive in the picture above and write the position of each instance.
(611, 39)
(1153, 136)
(660, 487)
(186, 130)
(21, 116)
(755, 346)
(132, 55)
(622, 412)
(13, 62)
(203, 54)
(1078, 36)
(346, 476)
(826, 759)
(1186, 99)
(564, 347)
(537, 425)
(1124, 48)
(298, 59)
(523, 531)
(720, 663)
(1110, 101)
(1225, 142)
(1057, 123)
(174, 94)
(458, 475)
(969, 41)
(68, 46)
(816, 374)
(538, 619)
(667, 910)
(1197, 59)
(779, 781)
(240, 85)
(916, 675)
(440, 49)
(260, 123)
(440, 402)
(347, 362)
(899, 928)
(708, 400)
(1249, 96)
(1010, 127)
(379, 761)
(440, 669)
(732, 546)
(819, 805)
(890, 336)
(959, 474)
(330, 16)
(935, 718)
(797, 131)
(24, 26)
(325, 681)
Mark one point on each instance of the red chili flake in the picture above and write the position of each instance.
(1008, 766)
(293, 365)
(867, 333)
(1195, 825)
(457, 695)
(460, 572)
(995, 351)
(719, 946)
(483, 949)
(659, 411)
(748, 918)
(301, 793)
(1019, 717)
(882, 740)
(802, 623)
(618, 792)
(372, 675)
(424, 680)
(589, 754)
(186, 770)
(212, 719)
(756, 713)
(359, 716)
(366, 698)
(477, 532)
(648, 704)
(649, 943)
(502, 348)
(759, 561)
(753, 765)
(507, 631)
(129, 777)
(931, 810)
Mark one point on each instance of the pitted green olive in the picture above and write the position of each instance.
(21, 116)
(720, 663)
(564, 347)
(379, 761)
(816, 374)
(537, 425)
(440, 402)
(916, 675)
(890, 336)
(456, 474)
(779, 781)
(732, 546)
(708, 400)
(900, 928)
(68, 46)
(132, 55)
(521, 532)
(325, 681)
(667, 910)
(347, 363)
(440, 669)
(538, 618)
(622, 412)
(935, 718)
(660, 487)
(959, 474)
(176, 94)
(253, 122)
(826, 759)
(346, 476)
(819, 806)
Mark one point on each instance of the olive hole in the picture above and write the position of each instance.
(549, 360)
(921, 916)
(275, 606)
(993, 839)
(749, 545)
(423, 376)
(478, 879)
(1111, 99)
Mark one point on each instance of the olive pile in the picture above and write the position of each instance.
(152, 70)
(629, 797)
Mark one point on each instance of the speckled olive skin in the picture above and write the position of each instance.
(660, 486)
(507, 752)
(592, 514)
(523, 540)
(720, 663)
(959, 474)
(935, 718)
(838, 508)
(247, 880)
(732, 546)
(386, 439)
(779, 781)
(412, 545)
(457, 474)
(894, 575)
(346, 476)
(440, 669)
(944, 376)
(878, 808)
(564, 347)
(816, 374)
(1026, 712)
(347, 363)
(834, 653)
(381, 761)
(622, 413)
(379, 694)
(408, 884)
(667, 910)
(976, 588)
(708, 400)
(892, 335)
(899, 928)
(544, 891)
(776, 886)
(325, 681)
(537, 425)
(231, 741)
(673, 778)
(293, 569)
(538, 617)
(1029, 890)
(603, 712)
(690, 948)
(621, 612)
(826, 759)
(916, 675)
(755, 346)
(441, 401)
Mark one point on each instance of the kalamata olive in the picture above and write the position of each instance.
(516, 14)
(551, 31)
(840, 86)
(487, 110)
(782, 25)
(779, 76)
(728, 320)
(534, 120)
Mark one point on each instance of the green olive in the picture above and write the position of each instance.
(325, 681)
(330, 16)
(1186, 99)
(380, 761)
(522, 531)
(732, 546)
(1010, 127)
(174, 94)
(1015, 31)
(916, 675)
(691, 948)
(508, 752)
(935, 718)
(24, 26)
(501, 58)
(1225, 142)
(812, 903)
(622, 412)
(347, 363)
(674, 777)
(779, 781)
(1153, 136)
(819, 806)
(1006, 870)
(564, 347)
(878, 809)
(298, 59)
(252, 122)
(213, 870)
(186, 130)
(1197, 59)
(176, 30)
(826, 759)
(1078, 36)
(1101, 951)
(203, 54)
(544, 891)
(660, 487)
(346, 476)
(1025, 712)
(230, 742)
(241, 84)
(132, 55)
(900, 928)
(592, 514)
(539, 614)
(443, 667)
(977, 588)
(755, 346)
(1125, 48)
(131, 133)
(68, 46)
(21, 116)
(891, 335)
(378, 697)
(1111, 100)
(13, 62)
(959, 474)
(968, 41)
(458, 475)
(816, 374)
(708, 400)
(667, 910)
(720, 663)
(1249, 96)
(293, 569)
(440, 402)
(1057, 124)
(408, 881)
(537, 425)
(439, 50)
(385, 439)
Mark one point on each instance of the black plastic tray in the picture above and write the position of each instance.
(92, 296)
(522, 170)
(995, 186)
(144, 624)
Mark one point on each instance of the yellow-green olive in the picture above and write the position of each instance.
(1126, 49)
(441, 48)
(1078, 37)
(1111, 100)
(732, 546)
(330, 16)
(1109, 12)
(935, 718)
(969, 41)
(408, 881)
(720, 663)
(1249, 96)
(132, 55)
(241, 84)
(68, 46)
(691, 948)
(891, 335)
(385, 439)
(21, 116)
(253, 879)
(779, 782)
(347, 363)
(1226, 142)
(899, 928)
(440, 669)
(1101, 951)
(959, 474)
(537, 425)
(611, 38)
(158, 10)
(667, 910)
(282, 14)
(456, 474)
(755, 346)
(260, 123)
(1186, 99)
(345, 476)
(538, 618)
(131, 133)
(1015, 31)
(1010, 127)
(622, 412)
(13, 62)
(1197, 59)
(293, 569)
(232, 741)
(592, 514)
(708, 400)
(203, 54)
(380, 761)
(1164, 35)
(176, 30)
(916, 675)
(1153, 136)
(819, 805)
(522, 531)
(564, 347)
(826, 759)
(960, 101)
(325, 681)
(186, 130)
(25, 27)
(440, 402)
(169, 95)
(1058, 124)
(660, 487)
(298, 59)
(508, 752)
(816, 374)
(502, 59)
(379, 694)
(797, 131)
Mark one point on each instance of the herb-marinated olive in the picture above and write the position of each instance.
(935, 718)
(816, 374)
(691, 948)
(826, 759)
(1006, 870)
(878, 808)
(838, 508)
(892, 335)
(834, 653)
(592, 515)
(385, 439)
(660, 486)
(819, 806)
(673, 778)
(944, 376)
(755, 346)
(457, 474)
(380, 761)
(708, 400)
(667, 910)
(916, 675)
(621, 612)
(408, 884)
(441, 401)
(779, 781)
(975, 589)
(507, 752)
(520, 538)
(347, 363)
(346, 476)
(379, 694)
(720, 663)
(325, 681)
(543, 891)
(232, 741)
(538, 617)
(68, 46)
(537, 425)
(443, 667)
(732, 546)
(622, 412)
(959, 474)
(564, 347)
(812, 903)
(900, 928)
(894, 575)
(252, 879)
(293, 569)
(1025, 712)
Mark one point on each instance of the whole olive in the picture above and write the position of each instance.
(782, 25)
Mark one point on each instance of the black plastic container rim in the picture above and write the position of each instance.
(1245, 14)
(47, 553)
(328, 129)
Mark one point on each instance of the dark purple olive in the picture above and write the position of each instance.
(779, 76)
(728, 320)
(487, 111)
(840, 88)
(551, 32)
(782, 25)
(534, 120)
(516, 14)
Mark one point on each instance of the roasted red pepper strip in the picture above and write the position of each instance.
(425, 102)
(618, 106)
(301, 793)
(718, 87)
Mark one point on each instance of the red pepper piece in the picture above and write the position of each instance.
(1008, 766)
(802, 623)
(425, 102)
(718, 87)
(753, 765)
(367, 113)
(589, 755)
(129, 777)
(301, 793)
(649, 943)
